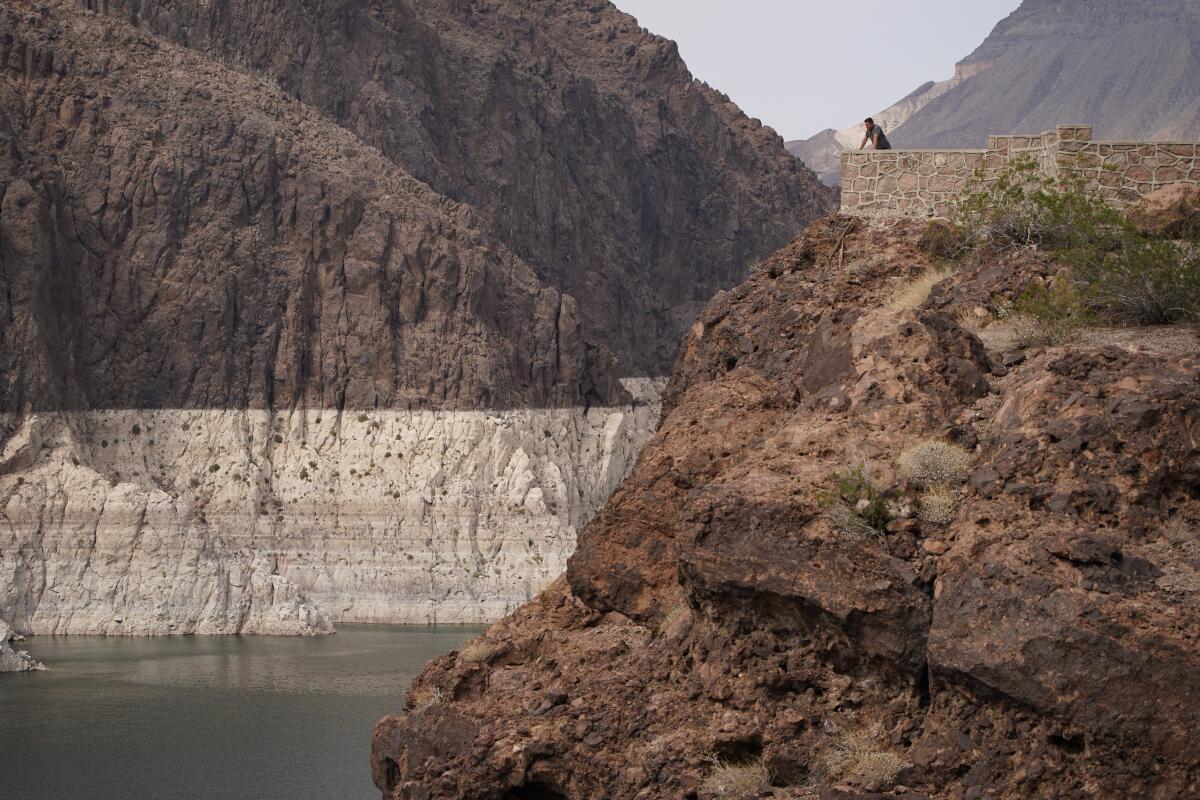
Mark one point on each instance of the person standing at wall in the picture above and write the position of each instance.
(875, 136)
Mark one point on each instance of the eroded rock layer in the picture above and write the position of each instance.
(206, 521)
(732, 606)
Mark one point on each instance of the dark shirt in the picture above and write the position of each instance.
(882, 143)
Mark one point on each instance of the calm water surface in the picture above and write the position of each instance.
(191, 718)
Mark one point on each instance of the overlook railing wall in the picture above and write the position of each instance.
(925, 183)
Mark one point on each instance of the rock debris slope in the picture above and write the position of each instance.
(255, 376)
(1036, 641)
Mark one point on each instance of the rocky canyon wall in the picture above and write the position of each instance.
(342, 311)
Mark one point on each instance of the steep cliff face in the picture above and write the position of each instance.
(1131, 69)
(1032, 636)
(581, 140)
(217, 305)
(288, 324)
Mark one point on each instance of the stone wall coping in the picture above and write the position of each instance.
(926, 181)
(898, 151)
(1143, 142)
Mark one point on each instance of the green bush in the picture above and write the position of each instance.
(1118, 273)
(855, 505)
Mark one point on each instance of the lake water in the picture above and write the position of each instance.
(193, 718)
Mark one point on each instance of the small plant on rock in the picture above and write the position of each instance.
(937, 505)
(735, 781)
(915, 292)
(936, 463)
(476, 652)
(861, 757)
(855, 505)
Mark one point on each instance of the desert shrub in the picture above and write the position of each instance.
(476, 652)
(861, 757)
(735, 781)
(915, 292)
(937, 505)
(1119, 271)
(1143, 281)
(936, 463)
(854, 504)
(944, 240)
(1046, 314)
(1002, 212)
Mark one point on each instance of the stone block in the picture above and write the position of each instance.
(849, 173)
(1075, 133)
(944, 183)
(888, 184)
(908, 182)
(849, 199)
(1138, 174)
(1183, 150)
(857, 159)
(1168, 175)
(870, 170)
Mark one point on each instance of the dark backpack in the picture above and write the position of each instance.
(883, 144)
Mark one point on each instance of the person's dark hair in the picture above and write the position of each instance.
(868, 119)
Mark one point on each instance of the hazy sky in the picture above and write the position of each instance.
(805, 65)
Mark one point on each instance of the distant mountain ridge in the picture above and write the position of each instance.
(823, 152)
(1130, 69)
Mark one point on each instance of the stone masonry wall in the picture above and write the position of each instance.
(925, 183)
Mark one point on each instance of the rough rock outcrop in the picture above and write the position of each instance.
(11, 659)
(1037, 641)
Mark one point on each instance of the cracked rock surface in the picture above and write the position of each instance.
(1039, 643)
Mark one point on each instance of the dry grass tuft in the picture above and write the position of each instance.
(974, 319)
(937, 505)
(735, 781)
(849, 522)
(915, 292)
(936, 463)
(674, 618)
(861, 757)
(1183, 536)
(476, 652)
